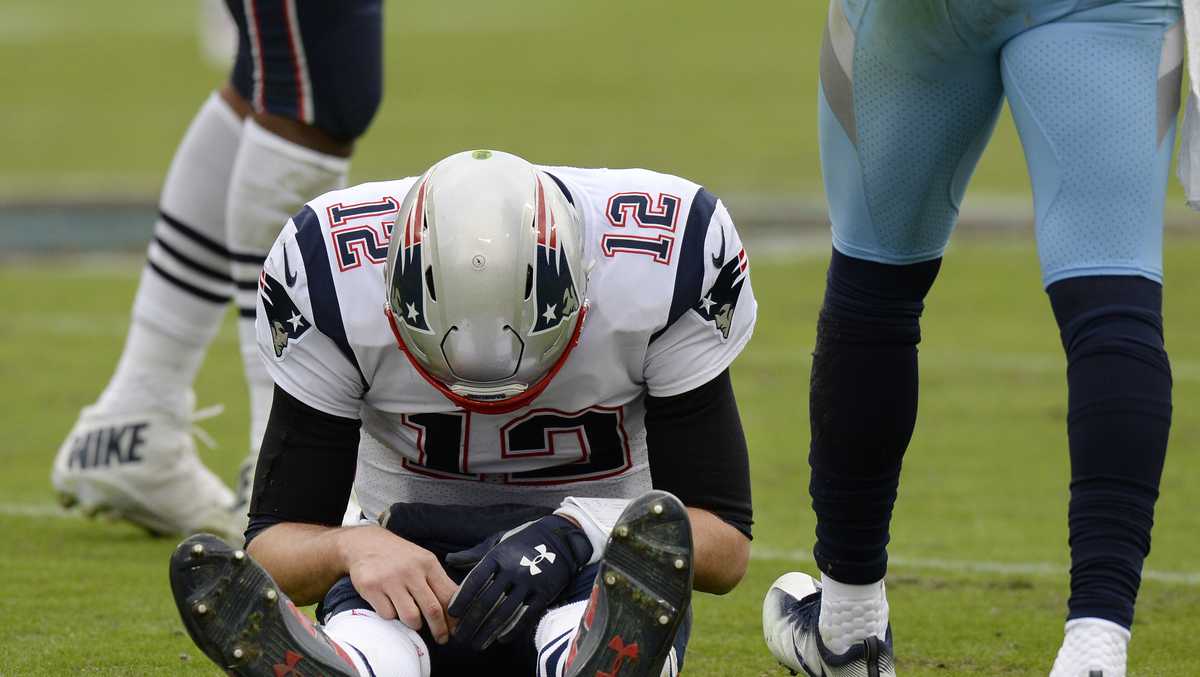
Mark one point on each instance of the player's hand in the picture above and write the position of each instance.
(399, 579)
(515, 576)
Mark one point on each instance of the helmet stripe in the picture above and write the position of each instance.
(541, 212)
(416, 220)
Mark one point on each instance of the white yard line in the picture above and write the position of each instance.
(40, 510)
(1020, 362)
(768, 554)
(966, 566)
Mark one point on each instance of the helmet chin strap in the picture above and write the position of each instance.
(506, 405)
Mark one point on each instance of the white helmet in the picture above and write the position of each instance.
(486, 279)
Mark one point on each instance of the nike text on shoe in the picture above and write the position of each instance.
(142, 467)
(791, 612)
(235, 613)
(641, 594)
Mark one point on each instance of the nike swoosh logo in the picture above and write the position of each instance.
(288, 275)
(719, 259)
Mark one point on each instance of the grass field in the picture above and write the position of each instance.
(978, 586)
(95, 98)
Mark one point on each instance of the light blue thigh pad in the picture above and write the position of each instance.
(1094, 96)
(910, 92)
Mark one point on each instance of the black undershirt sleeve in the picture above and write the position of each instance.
(305, 468)
(698, 451)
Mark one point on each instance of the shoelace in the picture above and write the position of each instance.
(203, 415)
(806, 611)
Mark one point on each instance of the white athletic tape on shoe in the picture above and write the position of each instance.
(596, 516)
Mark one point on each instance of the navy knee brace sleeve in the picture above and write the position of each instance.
(862, 408)
(1119, 415)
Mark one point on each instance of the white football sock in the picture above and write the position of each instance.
(155, 371)
(183, 291)
(851, 613)
(272, 179)
(377, 646)
(555, 632)
(1092, 644)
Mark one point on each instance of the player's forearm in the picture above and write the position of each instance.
(304, 559)
(721, 553)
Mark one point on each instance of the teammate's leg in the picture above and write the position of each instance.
(1095, 97)
(156, 480)
(182, 295)
(901, 132)
(310, 75)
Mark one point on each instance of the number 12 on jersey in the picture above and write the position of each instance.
(648, 225)
(569, 446)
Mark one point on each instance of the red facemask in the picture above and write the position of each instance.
(504, 406)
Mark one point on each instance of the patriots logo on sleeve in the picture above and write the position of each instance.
(283, 317)
(718, 304)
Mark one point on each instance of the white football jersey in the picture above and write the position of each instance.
(670, 307)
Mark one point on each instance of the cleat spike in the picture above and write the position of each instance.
(610, 579)
(238, 653)
(201, 609)
(679, 563)
(622, 531)
(664, 619)
(657, 509)
(239, 555)
(271, 595)
(197, 550)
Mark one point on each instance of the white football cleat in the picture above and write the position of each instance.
(142, 467)
(790, 614)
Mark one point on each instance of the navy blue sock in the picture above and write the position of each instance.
(1118, 418)
(862, 408)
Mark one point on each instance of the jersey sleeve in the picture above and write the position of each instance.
(712, 310)
(302, 359)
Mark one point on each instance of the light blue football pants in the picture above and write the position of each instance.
(910, 93)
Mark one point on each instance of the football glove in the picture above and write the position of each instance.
(514, 576)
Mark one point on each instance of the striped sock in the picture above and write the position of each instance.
(186, 284)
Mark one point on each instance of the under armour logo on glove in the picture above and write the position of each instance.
(507, 590)
(543, 554)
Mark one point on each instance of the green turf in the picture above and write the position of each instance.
(985, 480)
(721, 91)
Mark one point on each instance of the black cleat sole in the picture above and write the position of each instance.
(642, 592)
(234, 612)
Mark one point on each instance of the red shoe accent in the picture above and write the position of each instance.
(288, 667)
(624, 651)
(304, 620)
(571, 654)
(590, 614)
(343, 655)
(312, 630)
